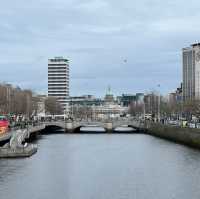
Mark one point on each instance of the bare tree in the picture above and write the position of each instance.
(52, 106)
(16, 101)
(191, 107)
(136, 108)
(82, 111)
(3, 99)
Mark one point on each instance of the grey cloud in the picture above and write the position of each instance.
(97, 35)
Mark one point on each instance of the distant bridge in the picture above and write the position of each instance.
(75, 126)
(109, 126)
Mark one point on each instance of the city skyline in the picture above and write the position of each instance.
(99, 99)
(132, 50)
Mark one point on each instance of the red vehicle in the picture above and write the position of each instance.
(4, 125)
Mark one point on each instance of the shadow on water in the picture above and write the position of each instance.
(52, 130)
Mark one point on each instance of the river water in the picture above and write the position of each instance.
(103, 166)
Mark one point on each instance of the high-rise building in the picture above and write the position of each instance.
(58, 79)
(191, 72)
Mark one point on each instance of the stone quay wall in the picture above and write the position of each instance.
(186, 136)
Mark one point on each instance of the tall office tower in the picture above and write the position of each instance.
(58, 79)
(191, 72)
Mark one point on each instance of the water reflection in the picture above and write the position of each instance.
(103, 166)
(124, 129)
(92, 129)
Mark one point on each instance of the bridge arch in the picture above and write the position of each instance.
(90, 129)
(57, 127)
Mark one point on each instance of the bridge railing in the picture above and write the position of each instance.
(24, 125)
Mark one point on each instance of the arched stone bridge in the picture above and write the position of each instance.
(71, 126)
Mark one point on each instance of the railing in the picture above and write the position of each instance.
(24, 125)
(29, 124)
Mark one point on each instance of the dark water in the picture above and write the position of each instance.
(103, 167)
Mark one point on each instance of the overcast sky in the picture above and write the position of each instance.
(97, 36)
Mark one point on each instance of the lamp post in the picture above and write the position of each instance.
(144, 105)
(72, 109)
(159, 103)
(144, 111)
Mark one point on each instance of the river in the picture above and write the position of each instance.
(103, 166)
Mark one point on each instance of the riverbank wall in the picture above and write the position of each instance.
(186, 136)
(19, 152)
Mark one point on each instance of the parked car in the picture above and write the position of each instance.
(4, 125)
(174, 122)
(191, 125)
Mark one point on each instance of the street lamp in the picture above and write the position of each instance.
(159, 103)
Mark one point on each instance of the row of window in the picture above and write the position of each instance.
(58, 71)
(53, 75)
(57, 88)
(60, 85)
(57, 82)
(66, 85)
(58, 64)
(58, 67)
(57, 95)
(59, 74)
(63, 78)
(58, 91)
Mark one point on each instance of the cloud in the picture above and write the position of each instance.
(97, 35)
(93, 5)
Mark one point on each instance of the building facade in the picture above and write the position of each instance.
(191, 72)
(58, 79)
(151, 104)
(92, 108)
(127, 99)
